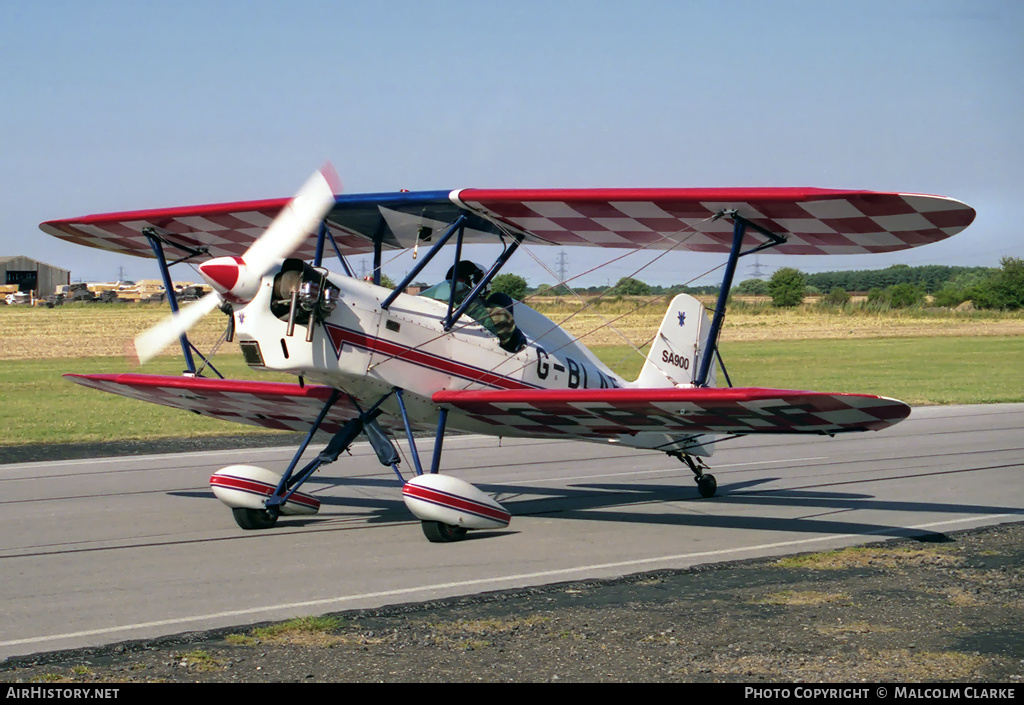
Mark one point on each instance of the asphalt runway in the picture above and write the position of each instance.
(104, 550)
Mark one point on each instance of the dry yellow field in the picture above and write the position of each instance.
(103, 330)
(796, 325)
(615, 322)
(90, 330)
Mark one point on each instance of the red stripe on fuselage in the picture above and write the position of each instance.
(340, 336)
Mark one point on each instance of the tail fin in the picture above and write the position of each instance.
(677, 350)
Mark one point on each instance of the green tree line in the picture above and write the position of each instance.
(931, 278)
(900, 286)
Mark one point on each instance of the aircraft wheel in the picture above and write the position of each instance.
(436, 532)
(707, 485)
(253, 518)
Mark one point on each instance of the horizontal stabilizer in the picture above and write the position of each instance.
(594, 413)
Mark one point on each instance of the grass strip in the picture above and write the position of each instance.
(920, 371)
(39, 406)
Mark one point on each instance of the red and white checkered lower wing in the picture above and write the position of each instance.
(276, 405)
(606, 413)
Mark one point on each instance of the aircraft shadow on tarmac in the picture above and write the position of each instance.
(608, 502)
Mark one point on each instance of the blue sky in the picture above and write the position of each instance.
(124, 105)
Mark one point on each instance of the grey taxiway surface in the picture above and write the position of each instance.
(99, 551)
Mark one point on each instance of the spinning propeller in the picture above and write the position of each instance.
(237, 279)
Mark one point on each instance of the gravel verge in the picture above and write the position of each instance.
(948, 609)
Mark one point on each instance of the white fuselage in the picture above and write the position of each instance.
(367, 351)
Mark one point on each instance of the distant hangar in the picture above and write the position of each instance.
(32, 275)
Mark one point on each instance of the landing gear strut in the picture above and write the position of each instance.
(236, 485)
(706, 483)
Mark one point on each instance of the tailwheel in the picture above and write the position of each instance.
(436, 532)
(253, 518)
(707, 485)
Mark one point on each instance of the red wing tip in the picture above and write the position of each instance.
(331, 177)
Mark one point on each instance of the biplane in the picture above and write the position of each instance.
(376, 363)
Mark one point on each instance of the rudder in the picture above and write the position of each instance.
(676, 352)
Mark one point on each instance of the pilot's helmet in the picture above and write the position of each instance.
(466, 271)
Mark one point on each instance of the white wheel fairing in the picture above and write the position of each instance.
(248, 486)
(452, 501)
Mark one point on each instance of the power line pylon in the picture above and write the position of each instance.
(562, 264)
(756, 269)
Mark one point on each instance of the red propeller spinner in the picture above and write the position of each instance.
(231, 278)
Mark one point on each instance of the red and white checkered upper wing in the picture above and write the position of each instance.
(814, 221)
(218, 230)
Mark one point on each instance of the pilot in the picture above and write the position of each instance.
(493, 312)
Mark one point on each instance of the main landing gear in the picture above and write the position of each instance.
(707, 486)
(446, 506)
